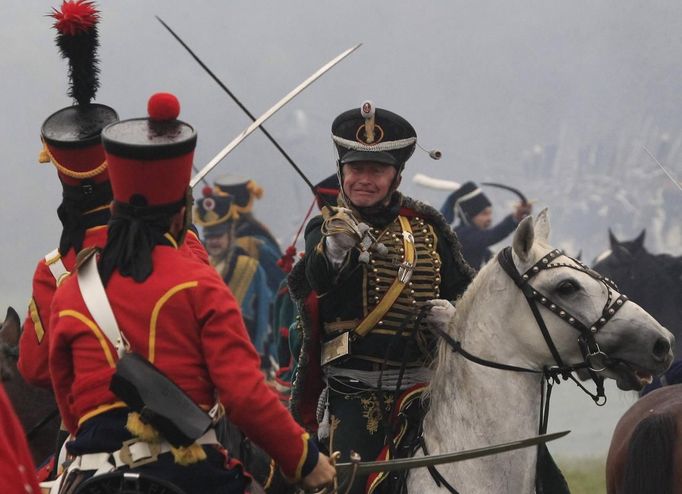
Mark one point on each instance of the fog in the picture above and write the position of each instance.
(556, 98)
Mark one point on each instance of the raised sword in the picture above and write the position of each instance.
(257, 123)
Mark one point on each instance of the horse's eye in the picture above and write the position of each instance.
(567, 287)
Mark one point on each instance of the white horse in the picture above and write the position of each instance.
(472, 405)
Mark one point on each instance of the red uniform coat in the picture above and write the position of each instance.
(17, 473)
(187, 323)
(34, 341)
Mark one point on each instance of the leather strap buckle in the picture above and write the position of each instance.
(135, 452)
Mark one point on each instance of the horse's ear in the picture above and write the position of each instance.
(523, 238)
(613, 241)
(541, 225)
(10, 329)
(638, 243)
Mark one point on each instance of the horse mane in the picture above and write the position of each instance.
(465, 304)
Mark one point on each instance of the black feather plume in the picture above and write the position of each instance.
(81, 52)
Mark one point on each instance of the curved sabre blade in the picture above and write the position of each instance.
(425, 461)
(245, 133)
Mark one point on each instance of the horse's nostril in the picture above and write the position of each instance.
(661, 348)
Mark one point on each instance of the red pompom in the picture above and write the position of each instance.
(207, 191)
(75, 16)
(163, 106)
(286, 262)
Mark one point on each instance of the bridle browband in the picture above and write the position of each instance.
(594, 359)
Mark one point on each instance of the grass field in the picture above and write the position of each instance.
(585, 475)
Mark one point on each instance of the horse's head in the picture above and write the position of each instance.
(623, 261)
(9, 338)
(584, 313)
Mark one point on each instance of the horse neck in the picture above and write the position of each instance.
(478, 405)
(477, 402)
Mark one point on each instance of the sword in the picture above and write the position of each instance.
(440, 184)
(236, 100)
(257, 123)
(663, 168)
(362, 468)
(516, 191)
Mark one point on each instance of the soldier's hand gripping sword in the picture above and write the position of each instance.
(356, 467)
(257, 122)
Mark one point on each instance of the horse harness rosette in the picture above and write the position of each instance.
(146, 390)
(340, 346)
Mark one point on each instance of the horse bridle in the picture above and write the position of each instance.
(588, 345)
(592, 354)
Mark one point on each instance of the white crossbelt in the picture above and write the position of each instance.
(56, 266)
(133, 454)
(95, 298)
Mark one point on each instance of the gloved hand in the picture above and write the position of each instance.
(442, 311)
(341, 231)
(337, 246)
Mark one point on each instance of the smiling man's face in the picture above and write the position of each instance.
(367, 183)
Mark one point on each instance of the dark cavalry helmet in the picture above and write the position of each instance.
(373, 134)
(71, 136)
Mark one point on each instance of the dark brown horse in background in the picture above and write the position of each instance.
(646, 449)
(35, 407)
(652, 281)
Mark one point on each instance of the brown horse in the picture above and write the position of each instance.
(35, 407)
(646, 448)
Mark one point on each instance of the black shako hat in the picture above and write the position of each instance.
(71, 136)
(469, 200)
(244, 191)
(214, 212)
(373, 134)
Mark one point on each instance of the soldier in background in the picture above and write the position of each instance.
(251, 235)
(285, 326)
(475, 231)
(218, 215)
